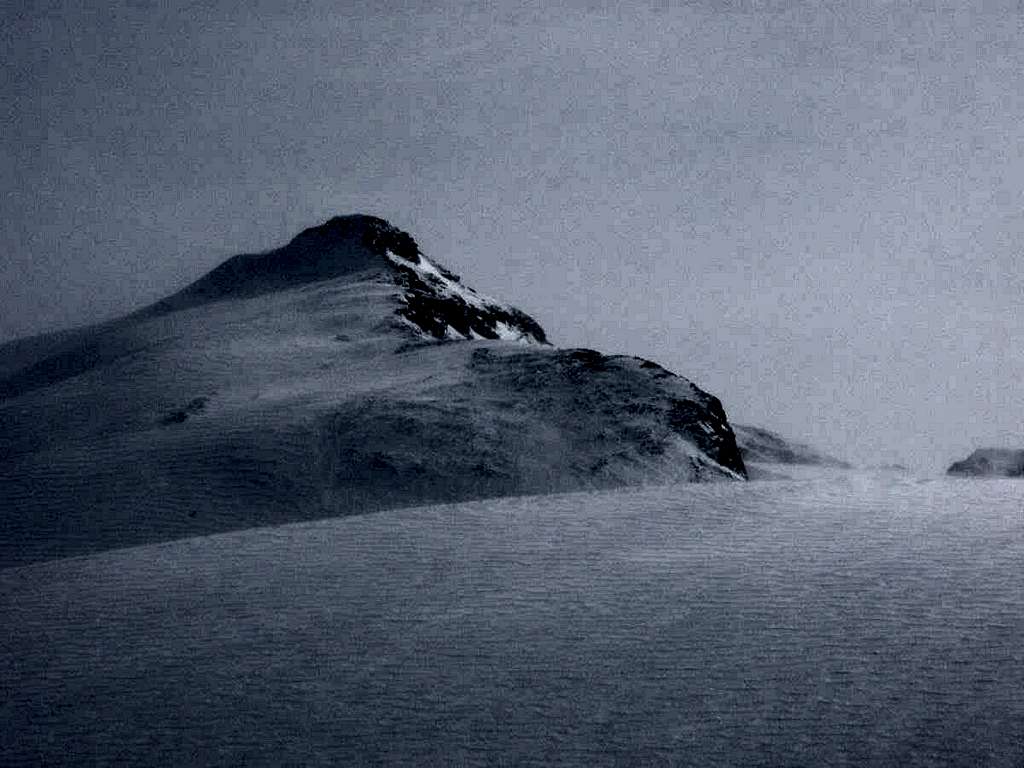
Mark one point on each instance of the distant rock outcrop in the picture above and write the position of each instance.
(990, 462)
(341, 373)
(759, 445)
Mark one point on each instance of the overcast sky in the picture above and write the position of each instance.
(813, 210)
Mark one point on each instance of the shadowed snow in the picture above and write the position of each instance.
(844, 620)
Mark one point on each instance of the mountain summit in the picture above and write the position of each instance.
(436, 303)
(341, 373)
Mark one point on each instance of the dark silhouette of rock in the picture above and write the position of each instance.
(179, 415)
(990, 462)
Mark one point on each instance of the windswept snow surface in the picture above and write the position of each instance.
(843, 619)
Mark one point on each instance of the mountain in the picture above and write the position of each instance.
(341, 373)
(761, 446)
(990, 462)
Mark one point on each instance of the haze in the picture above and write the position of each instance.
(813, 213)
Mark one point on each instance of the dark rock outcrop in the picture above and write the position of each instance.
(180, 415)
(529, 421)
(437, 304)
(990, 462)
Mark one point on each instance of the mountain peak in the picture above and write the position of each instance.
(340, 246)
(375, 234)
(433, 301)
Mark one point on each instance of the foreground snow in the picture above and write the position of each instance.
(853, 620)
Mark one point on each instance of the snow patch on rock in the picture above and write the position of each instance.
(439, 306)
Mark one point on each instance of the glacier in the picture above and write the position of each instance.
(844, 618)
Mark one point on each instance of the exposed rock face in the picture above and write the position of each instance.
(759, 445)
(436, 302)
(990, 462)
(438, 305)
(341, 373)
(529, 421)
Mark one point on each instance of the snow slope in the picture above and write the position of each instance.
(341, 373)
(855, 620)
(763, 451)
(763, 446)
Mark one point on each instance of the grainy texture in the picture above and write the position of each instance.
(845, 620)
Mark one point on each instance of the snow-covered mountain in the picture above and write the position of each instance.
(990, 462)
(341, 373)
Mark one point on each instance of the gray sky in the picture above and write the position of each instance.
(811, 209)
